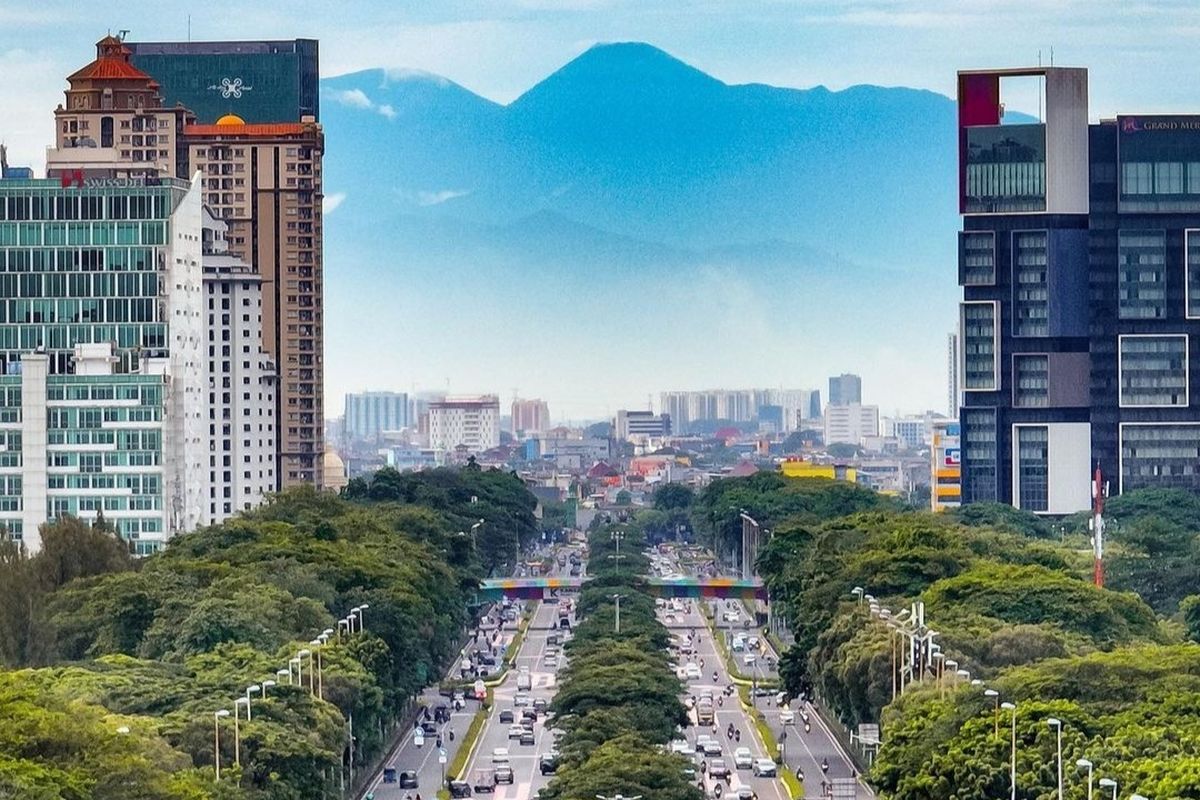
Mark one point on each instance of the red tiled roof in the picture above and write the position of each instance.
(253, 129)
(110, 68)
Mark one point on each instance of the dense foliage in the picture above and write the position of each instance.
(1012, 600)
(155, 647)
(618, 698)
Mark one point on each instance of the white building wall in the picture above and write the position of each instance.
(473, 423)
(35, 367)
(850, 424)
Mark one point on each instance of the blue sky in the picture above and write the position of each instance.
(498, 48)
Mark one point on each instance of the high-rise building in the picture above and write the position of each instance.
(469, 422)
(739, 405)
(1024, 319)
(530, 417)
(953, 396)
(259, 81)
(850, 424)
(640, 426)
(369, 414)
(114, 123)
(945, 484)
(845, 390)
(241, 380)
(101, 365)
(264, 180)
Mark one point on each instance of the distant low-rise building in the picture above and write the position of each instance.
(470, 422)
(640, 426)
(850, 424)
(369, 414)
(795, 468)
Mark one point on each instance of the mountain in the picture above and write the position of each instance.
(628, 171)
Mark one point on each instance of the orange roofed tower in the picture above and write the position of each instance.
(114, 124)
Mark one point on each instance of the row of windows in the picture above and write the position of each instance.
(1160, 177)
(1160, 456)
(82, 285)
(124, 440)
(1033, 467)
(81, 204)
(61, 234)
(77, 311)
(24, 338)
(979, 335)
(86, 259)
(1153, 370)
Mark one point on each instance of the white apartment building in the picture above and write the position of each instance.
(241, 381)
(470, 421)
(850, 424)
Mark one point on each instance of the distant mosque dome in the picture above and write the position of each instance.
(231, 119)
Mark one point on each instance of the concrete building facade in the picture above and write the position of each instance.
(471, 421)
(368, 414)
(850, 424)
(845, 390)
(530, 417)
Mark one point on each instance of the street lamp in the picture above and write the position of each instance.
(858, 592)
(1012, 774)
(299, 671)
(1106, 783)
(316, 646)
(251, 688)
(992, 693)
(362, 618)
(1137, 797)
(267, 684)
(237, 737)
(1082, 763)
(1056, 723)
(939, 657)
(224, 712)
(284, 673)
(301, 655)
(617, 622)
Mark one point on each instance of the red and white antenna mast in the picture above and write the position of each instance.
(1099, 492)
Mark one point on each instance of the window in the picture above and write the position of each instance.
(1160, 455)
(1137, 178)
(979, 455)
(1033, 467)
(1031, 291)
(977, 251)
(1153, 370)
(1191, 239)
(1168, 178)
(1031, 381)
(979, 346)
(1141, 275)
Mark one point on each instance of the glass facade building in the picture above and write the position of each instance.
(98, 358)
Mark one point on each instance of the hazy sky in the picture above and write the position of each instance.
(1136, 53)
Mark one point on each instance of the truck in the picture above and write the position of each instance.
(704, 710)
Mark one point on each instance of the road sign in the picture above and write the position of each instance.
(442, 758)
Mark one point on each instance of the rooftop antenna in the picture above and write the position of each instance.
(189, 16)
(121, 34)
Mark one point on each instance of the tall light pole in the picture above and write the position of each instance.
(1109, 783)
(1012, 773)
(285, 673)
(858, 592)
(617, 622)
(224, 712)
(237, 736)
(299, 670)
(251, 688)
(312, 688)
(1082, 763)
(992, 693)
(362, 617)
(267, 684)
(750, 530)
(1056, 723)
(940, 658)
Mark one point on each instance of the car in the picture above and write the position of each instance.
(730, 616)
(527, 738)
(787, 716)
(419, 737)
(506, 716)
(521, 700)
(548, 764)
(460, 789)
(515, 731)
(504, 774)
(683, 747)
(738, 645)
(743, 758)
(753, 642)
(484, 780)
(764, 768)
(781, 699)
(749, 659)
(712, 748)
(500, 755)
(717, 768)
(430, 727)
(408, 779)
(692, 671)
(540, 704)
(550, 661)
(552, 639)
(744, 792)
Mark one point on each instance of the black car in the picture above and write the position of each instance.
(506, 717)
(528, 716)
(441, 714)
(429, 726)
(408, 779)
(539, 705)
(548, 764)
(460, 789)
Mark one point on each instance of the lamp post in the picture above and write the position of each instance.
(254, 687)
(1137, 797)
(267, 684)
(1106, 783)
(285, 673)
(1012, 773)
(344, 621)
(939, 658)
(951, 665)
(617, 622)
(224, 712)
(299, 670)
(362, 618)
(858, 592)
(1082, 763)
(237, 736)
(992, 693)
(1056, 723)
(312, 689)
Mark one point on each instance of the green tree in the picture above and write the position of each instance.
(672, 496)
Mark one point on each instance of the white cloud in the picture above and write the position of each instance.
(437, 198)
(331, 202)
(387, 111)
(355, 98)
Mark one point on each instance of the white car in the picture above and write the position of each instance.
(683, 747)
(743, 758)
(743, 792)
(419, 737)
(500, 755)
(787, 716)
(712, 747)
(515, 731)
(764, 768)
(749, 659)
(522, 700)
(693, 672)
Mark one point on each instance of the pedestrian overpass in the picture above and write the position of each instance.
(541, 588)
